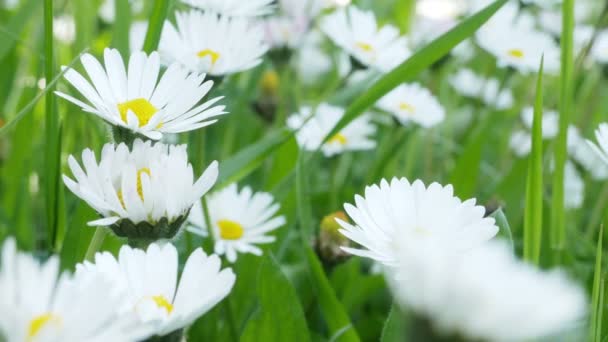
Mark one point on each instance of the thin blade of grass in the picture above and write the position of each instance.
(597, 290)
(155, 25)
(416, 64)
(533, 217)
(558, 214)
(122, 24)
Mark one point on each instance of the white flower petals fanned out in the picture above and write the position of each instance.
(233, 8)
(236, 44)
(413, 103)
(146, 184)
(39, 305)
(313, 124)
(469, 84)
(240, 220)
(403, 210)
(357, 32)
(485, 294)
(582, 153)
(137, 99)
(149, 280)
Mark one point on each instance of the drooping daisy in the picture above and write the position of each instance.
(485, 294)
(107, 11)
(233, 8)
(136, 100)
(357, 32)
(469, 84)
(413, 103)
(37, 304)
(236, 44)
(143, 193)
(411, 211)
(240, 220)
(313, 124)
(290, 27)
(580, 151)
(150, 280)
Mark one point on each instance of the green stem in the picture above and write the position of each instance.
(597, 213)
(155, 25)
(96, 242)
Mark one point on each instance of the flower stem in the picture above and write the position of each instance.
(95, 244)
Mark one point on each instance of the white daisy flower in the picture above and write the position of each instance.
(290, 28)
(313, 124)
(236, 44)
(601, 149)
(151, 187)
(574, 187)
(357, 32)
(469, 84)
(37, 304)
(150, 280)
(485, 294)
(313, 63)
(136, 100)
(580, 151)
(520, 143)
(234, 8)
(240, 220)
(403, 210)
(516, 44)
(137, 35)
(107, 11)
(64, 29)
(550, 121)
(413, 103)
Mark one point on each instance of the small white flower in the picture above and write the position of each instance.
(550, 121)
(9, 4)
(150, 280)
(357, 32)
(574, 187)
(521, 143)
(107, 11)
(580, 151)
(240, 220)
(290, 27)
(149, 183)
(64, 29)
(599, 51)
(469, 84)
(413, 103)
(233, 8)
(485, 294)
(410, 211)
(135, 99)
(510, 37)
(313, 63)
(236, 44)
(313, 124)
(37, 304)
(601, 149)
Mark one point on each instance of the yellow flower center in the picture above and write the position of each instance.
(39, 322)
(140, 190)
(404, 106)
(269, 83)
(230, 230)
(141, 107)
(163, 303)
(338, 139)
(365, 46)
(214, 55)
(517, 53)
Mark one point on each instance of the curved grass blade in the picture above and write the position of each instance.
(155, 25)
(415, 64)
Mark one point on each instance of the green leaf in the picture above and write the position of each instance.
(245, 161)
(15, 26)
(280, 316)
(597, 292)
(395, 327)
(155, 25)
(533, 219)
(416, 64)
(122, 24)
(503, 226)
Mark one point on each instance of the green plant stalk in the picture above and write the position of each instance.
(597, 213)
(597, 290)
(558, 213)
(122, 26)
(52, 148)
(533, 220)
(155, 25)
(96, 242)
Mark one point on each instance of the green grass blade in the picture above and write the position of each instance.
(533, 219)
(120, 39)
(503, 225)
(597, 291)
(558, 214)
(416, 64)
(52, 145)
(16, 25)
(155, 25)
